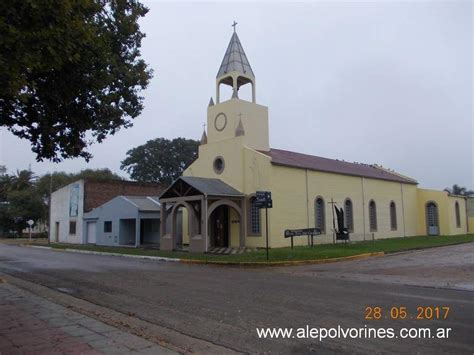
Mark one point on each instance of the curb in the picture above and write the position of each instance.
(281, 263)
(220, 262)
(35, 246)
(161, 258)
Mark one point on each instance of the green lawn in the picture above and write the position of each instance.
(324, 251)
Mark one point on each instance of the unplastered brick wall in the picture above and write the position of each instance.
(97, 193)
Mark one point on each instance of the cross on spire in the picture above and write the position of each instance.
(234, 24)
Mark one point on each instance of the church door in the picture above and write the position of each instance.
(432, 218)
(220, 226)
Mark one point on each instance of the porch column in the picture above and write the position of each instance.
(137, 231)
(204, 223)
(166, 240)
(163, 216)
(243, 221)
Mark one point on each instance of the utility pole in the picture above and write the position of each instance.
(266, 227)
(49, 206)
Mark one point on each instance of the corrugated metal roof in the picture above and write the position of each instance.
(312, 162)
(211, 187)
(144, 203)
(235, 59)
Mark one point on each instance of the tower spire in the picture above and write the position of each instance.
(235, 59)
(235, 69)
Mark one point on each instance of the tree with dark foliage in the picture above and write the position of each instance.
(160, 160)
(18, 201)
(70, 72)
(459, 190)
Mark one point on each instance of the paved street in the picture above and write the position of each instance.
(224, 306)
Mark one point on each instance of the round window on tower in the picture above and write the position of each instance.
(220, 121)
(219, 165)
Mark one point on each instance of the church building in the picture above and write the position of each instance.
(217, 192)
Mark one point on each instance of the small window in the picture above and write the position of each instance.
(372, 216)
(349, 215)
(219, 165)
(108, 227)
(254, 217)
(458, 215)
(72, 227)
(320, 215)
(393, 216)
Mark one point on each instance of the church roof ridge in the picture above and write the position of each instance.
(317, 163)
(235, 59)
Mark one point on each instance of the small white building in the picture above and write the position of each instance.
(69, 204)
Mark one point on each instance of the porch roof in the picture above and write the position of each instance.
(192, 186)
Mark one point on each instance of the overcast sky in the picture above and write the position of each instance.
(375, 82)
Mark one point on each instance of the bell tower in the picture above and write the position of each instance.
(235, 117)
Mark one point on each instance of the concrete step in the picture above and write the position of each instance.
(230, 250)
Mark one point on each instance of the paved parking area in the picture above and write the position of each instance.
(32, 325)
(450, 267)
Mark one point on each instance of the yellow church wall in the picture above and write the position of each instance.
(383, 193)
(245, 169)
(254, 120)
(454, 229)
(232, 153)
(257, 176)
(470, 214)
(234, 226)
(470, 224)
(338, 188)
(410, 203)
(257, 171)
(446, 212)
(438, 197)
(289, 205)
(295, 191)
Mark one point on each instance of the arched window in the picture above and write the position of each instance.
(372, 216)
(432, 218)
(254, 218)
(349, 215)
(393, 216)
(319, 215)
(458, 215)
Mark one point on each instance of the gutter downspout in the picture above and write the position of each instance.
(363, 205)
(403, 210)
(307, 201)
(466, 199)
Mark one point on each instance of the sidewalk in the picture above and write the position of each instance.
(33, 325)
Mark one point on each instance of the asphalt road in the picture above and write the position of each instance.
(225, 305)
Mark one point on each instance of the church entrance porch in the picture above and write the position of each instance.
(214, 215)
